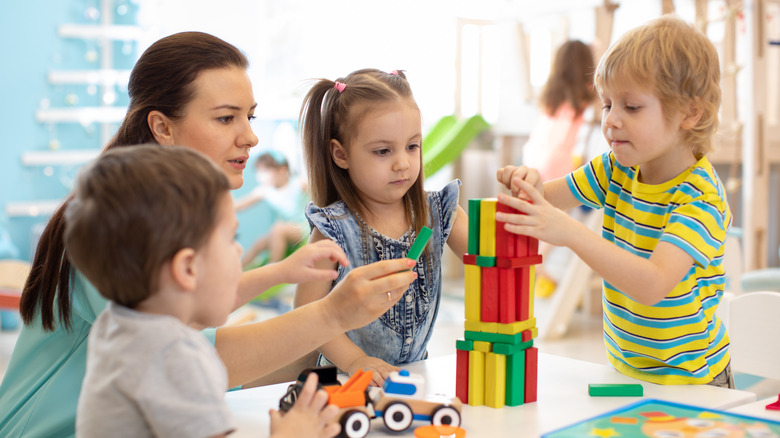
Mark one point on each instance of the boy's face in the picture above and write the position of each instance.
(219, 269)
(639, 134)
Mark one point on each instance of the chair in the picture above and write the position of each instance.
(13, 274)
(754, 330)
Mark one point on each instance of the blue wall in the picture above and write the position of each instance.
(29, 49)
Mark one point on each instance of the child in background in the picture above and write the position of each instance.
(362, 141)
(560, 135)
(286, 197)
(149, 372)
(666, 215)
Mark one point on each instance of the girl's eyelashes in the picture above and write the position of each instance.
(413, 146)
(251, 117)
(382, 152)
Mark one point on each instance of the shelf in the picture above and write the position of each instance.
(96, 77)
(83, 115)
(113, 32)
(31, 208)
(58, 158)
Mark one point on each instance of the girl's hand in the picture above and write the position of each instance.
(511, 176)
(299, 267)
(368, 292)
(311, 416)
(540, 219)
(378, 367)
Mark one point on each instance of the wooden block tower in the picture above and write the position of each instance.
(496, 360)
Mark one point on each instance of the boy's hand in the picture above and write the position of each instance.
(311, 416)
(511, 176)
(368, 292)
(540, 220)
(299, 267)
(378, 367)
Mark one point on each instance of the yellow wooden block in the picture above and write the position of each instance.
(495, 380)
(488, 327)
(483, 346)
(473, 292)
(472, 326)
(516, 327)
(487, 227)
(476, 378)
(531, 288)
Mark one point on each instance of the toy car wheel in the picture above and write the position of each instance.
(354, 424)
(445, 416)
(398, 416)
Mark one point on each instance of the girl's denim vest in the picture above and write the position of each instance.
(402, 333)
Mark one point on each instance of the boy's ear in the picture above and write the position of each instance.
(693, 113)
(339, 154)
(183, 270)
(161, 128)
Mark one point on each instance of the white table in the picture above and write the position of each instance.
(562, 400)
(758, 409)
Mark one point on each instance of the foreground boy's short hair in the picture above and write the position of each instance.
(133, 208)
(677, 63)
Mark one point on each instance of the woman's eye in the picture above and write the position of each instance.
(225, 119)
(632, 108)
(251, 117)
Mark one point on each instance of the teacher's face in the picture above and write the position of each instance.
(217, 120)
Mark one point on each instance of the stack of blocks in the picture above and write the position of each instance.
(497, 362)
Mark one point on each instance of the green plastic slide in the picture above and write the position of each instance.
(447, 139)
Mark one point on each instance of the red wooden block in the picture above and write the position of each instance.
(522, 292)
(489, 294)
(469, 259)
(531, 372)
(533, 246)
(507, 310)
(462, 375)
(518, 262)
(527, 336)
(521, 245)
(506, 242)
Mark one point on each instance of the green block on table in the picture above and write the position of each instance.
(615, 390)
(419, 243)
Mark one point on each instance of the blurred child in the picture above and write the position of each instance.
(665, 212)
(286, 197)
(362, 139)
(557, 143)
(149, 372)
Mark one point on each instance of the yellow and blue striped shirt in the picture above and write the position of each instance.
(679, 340)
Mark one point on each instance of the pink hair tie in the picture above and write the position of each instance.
(339, 86)
(394, 72)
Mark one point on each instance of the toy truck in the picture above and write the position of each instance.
(399, 402)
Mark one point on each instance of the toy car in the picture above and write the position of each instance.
(399, 402)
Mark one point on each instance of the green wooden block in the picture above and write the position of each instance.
(464, 345)
(515, 379)
(473, 246)
(419, 243)
(509, 349)
(615, 390)
(486, 261)
(497, 338)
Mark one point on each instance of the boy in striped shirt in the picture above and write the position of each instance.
(665, 209)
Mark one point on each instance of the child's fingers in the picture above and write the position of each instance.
(307, 393)
(329, 249)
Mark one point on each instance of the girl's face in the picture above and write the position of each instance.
(216, 121)
(218, 265)
(384, 157)
(639, 134)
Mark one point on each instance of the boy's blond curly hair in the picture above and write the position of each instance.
(677, 63)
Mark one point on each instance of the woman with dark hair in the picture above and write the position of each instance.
(190, 89)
